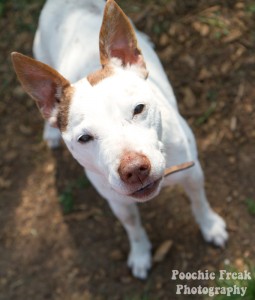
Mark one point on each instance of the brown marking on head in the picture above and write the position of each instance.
(97, 76)
(63, 108)
(50, 90)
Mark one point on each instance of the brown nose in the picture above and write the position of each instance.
(134, 168)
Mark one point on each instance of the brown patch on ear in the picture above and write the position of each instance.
(97, 76)
(63, 108)
(44, 84)
(117, 38)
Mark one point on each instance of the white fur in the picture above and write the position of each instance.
(67, 39)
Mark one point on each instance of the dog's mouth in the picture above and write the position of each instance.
(151, 188)
(147, 190)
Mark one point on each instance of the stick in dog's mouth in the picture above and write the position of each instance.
(152, 187)
(178, 168)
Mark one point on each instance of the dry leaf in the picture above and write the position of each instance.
(4, 183)
(204, 74)
(188, 97)
(203, 29)
(232, 36)
(162, 251)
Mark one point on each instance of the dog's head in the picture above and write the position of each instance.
(110, 120)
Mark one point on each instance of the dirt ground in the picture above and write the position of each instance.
(207, 48)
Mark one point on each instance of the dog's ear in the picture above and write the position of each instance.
(118, 40)
(42, 83)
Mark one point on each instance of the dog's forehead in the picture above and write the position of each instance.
(123, 86)
(110, 97)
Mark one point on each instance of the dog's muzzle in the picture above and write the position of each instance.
(134, 170)
(147, 190)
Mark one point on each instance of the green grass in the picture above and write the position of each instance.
(211, 98)
(214, 21)
(82, 182)
(66, 198)
(2, 7)
(251, 8)
(207, 114)
(250, 284)
(217, 23)
(251, 206)
(67, 201)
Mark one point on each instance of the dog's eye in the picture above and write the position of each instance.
(138, 109)
(85, 138)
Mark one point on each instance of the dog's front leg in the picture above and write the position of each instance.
(211, 224)
(139, 259)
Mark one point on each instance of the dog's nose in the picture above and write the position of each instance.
(134, 168)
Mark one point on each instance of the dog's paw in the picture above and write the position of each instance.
(140, 263)
(214, 230)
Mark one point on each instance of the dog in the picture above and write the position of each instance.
(116, 112)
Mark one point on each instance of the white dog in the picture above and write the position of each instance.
(116, 112)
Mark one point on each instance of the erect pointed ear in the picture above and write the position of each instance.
(117, 38)
(42, 83)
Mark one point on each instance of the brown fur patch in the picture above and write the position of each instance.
(97, 76)
(63, 108)
(46, 86)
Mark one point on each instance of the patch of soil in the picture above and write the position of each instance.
(207, 48)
